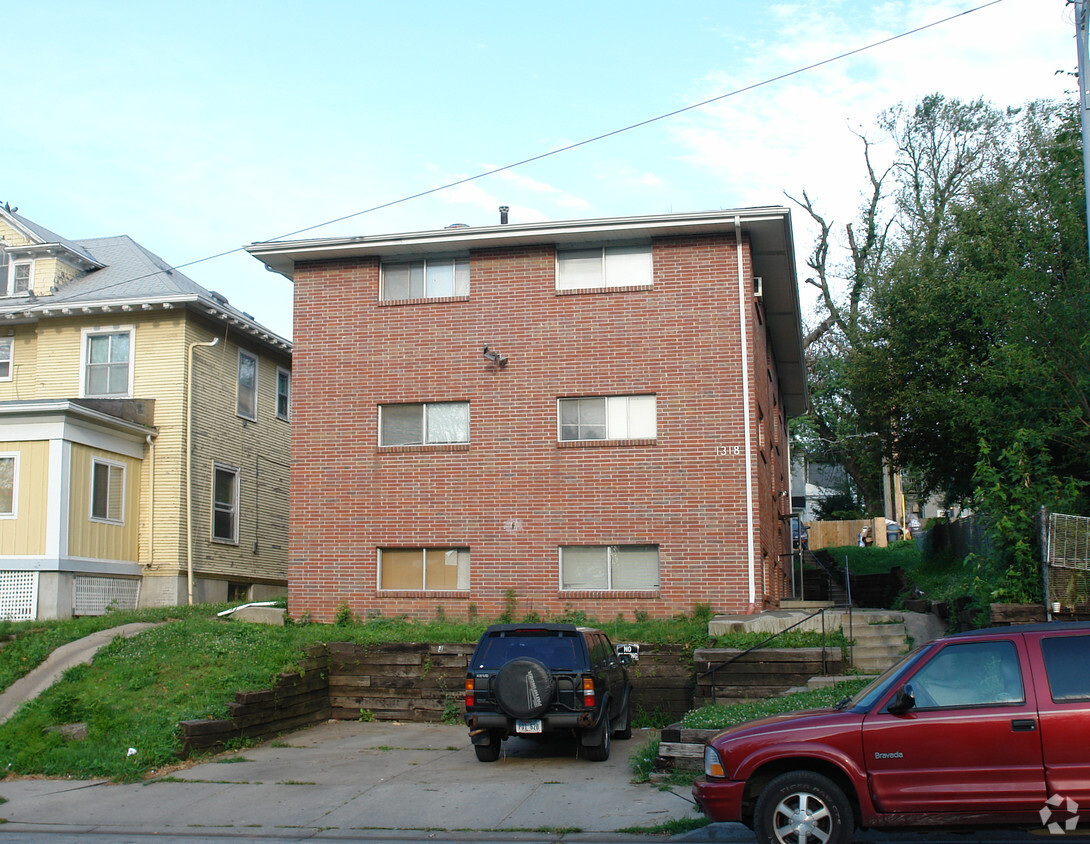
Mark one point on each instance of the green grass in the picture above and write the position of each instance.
(136, 690)
(874, 560)
(721, 716)
(677, 826)
(27, 644)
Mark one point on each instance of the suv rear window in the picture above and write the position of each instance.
(1067, 663)
(557, 651)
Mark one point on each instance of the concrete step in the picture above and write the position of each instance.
(806, 605)
(875, 651)
(879, 634)
(874, 664)
(878, 646)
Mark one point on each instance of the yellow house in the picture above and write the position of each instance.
(144, 433)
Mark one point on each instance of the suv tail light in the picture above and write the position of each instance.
(588, 692)
(469, 691)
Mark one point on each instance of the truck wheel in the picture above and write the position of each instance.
(488, 752)
(801, 807)
(600, 752)
(524, 688)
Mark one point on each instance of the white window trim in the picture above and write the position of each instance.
(424, 425)
(234, 470)
(453, 259)
(113, 464)
(281, 371)
(14, 455)
(609, 567)
(11, 277)
(424, 568)
(10, 343)
(603, 280)
(607, 437)
(238, 383)
(95, 331)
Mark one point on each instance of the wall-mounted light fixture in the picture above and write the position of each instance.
(499, 360)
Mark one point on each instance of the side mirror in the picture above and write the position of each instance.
(903, 701)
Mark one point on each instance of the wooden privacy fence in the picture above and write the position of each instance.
(403, 681)
(836, 534)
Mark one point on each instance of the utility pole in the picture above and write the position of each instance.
(1084, 93)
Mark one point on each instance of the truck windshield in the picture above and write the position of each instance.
(871, 693)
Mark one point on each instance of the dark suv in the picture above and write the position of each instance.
(536, 679)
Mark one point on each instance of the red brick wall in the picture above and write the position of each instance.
(513, 495)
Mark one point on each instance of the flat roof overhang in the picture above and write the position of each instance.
(768, 229)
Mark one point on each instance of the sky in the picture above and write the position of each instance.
(199, 127)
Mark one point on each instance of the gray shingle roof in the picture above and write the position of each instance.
(44, 235)
(130, 272)
(128, 275)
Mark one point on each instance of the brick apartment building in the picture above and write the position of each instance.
(586, 415)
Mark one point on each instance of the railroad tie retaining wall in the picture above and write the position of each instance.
(296, 700)
(412, 681)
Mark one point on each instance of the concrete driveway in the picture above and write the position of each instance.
(357, 781)
(351, 781)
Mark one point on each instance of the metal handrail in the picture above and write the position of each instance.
(737, 656)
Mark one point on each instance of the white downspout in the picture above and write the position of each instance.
(189, 464)
(151, 502)
(743, 327)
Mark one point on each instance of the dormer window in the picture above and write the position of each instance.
(16, 277)
(22, 277)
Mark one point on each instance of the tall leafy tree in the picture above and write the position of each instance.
(942, 146)
(982, 326)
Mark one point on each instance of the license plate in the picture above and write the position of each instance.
(528, 726)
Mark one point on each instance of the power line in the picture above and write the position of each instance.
(591, 140)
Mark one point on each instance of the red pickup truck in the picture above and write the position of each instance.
(987, 727)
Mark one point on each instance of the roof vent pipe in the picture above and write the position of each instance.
(503, 214)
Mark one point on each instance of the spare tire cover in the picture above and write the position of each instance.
(524, 688)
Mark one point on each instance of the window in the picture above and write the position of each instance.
(9, 485)
(246, 395)
(1067, 664)
(16, 277)
(6, 346)
(22, 278)
(107, 492)
(283, 394)
(433, 278)
(424, 424)
(224, 504)
(107, 356)
(607, 418)
(971, 674)
(603, 266)
(609, 567)
(423, 568)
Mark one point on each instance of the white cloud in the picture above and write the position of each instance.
(796, 133)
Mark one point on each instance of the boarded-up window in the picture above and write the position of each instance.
(424, 568)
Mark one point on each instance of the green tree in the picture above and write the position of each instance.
(984, 334)
(942, 146)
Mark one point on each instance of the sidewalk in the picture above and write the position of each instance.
(63, 658)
